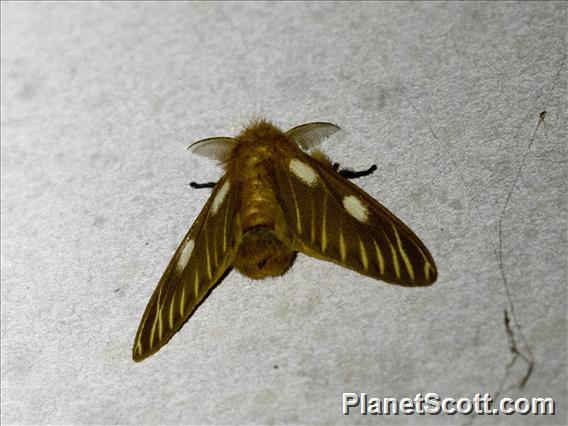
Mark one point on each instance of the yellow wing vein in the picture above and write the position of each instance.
(403, 254)
(394, 256)
(323, 226)
(342, 249)
(427, 265)
(363, 255)
(196, 284)
(160, 323)
(215, 254)
(153, 331)
(171, 314)
(182, 302)
(209, 274)
(298, 218)
(379, 257)
(225, 231)
(313, 223)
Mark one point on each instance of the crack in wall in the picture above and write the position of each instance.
(512, 325)
(516, 353)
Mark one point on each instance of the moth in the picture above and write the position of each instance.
(279, 196)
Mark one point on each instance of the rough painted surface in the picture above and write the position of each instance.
(99, 101)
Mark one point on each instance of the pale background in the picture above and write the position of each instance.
(100, 100)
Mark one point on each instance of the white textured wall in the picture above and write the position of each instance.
(99, 101)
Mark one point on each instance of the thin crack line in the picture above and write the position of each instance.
(469, 193)
(527, 358)
(516, 324)
(555, 81)
(452, 160)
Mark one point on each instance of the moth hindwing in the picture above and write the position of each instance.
(274, 200)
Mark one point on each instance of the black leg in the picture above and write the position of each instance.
(196, 185)
(352, 174)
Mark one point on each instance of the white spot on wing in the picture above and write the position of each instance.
(303, 171)
(355, 208)
(185, 254)
(219, 197)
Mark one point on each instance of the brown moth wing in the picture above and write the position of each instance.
(203, 256)
(327, 217)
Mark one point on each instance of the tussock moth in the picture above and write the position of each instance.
(278, 196)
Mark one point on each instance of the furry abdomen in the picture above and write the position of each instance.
(261, 254)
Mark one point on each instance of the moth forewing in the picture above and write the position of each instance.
(347, 226)
(203, 256)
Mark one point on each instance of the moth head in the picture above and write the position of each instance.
(306, 136)
(261, 130)
(222, 148)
